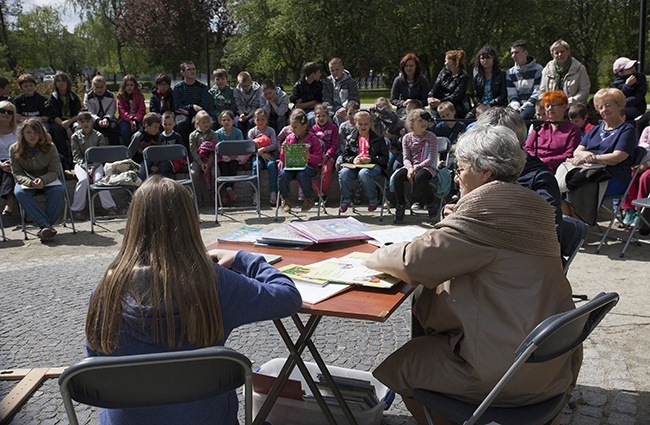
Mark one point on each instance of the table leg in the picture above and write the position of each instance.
(326, 373)
(294, 359)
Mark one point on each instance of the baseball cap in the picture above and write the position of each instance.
(623, 63)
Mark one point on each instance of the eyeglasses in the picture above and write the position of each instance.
(6, 111)
(457, 171)
(553, 105)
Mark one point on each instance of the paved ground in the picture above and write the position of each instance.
(45, 289)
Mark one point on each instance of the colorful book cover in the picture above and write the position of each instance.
(245, 234)
(332, 230)
(296, 155)
(352, 166)
(350, 270)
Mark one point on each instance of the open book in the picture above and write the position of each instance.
(349, 270)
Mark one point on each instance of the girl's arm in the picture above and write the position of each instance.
(315, 152)
(123, 110)
(140, 108)
(406, 150)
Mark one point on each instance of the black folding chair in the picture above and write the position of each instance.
(159, 153)
(234, 148)
(553, 337)
(149, 380)
(104, 154)
(66, 207)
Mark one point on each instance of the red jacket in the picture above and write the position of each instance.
(126, 113)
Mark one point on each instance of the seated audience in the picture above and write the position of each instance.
(345, 87)
(309, 90)
(203, 141)
(489, 80)
(523, 80)
(7, 138)
(35, 166)
(130, 108)
(228, 164)
(223, 96)
(162, 98)
(101, 105)
(578, 115)
(451, 84)
(30, 103)
(64, 108)
(148, 135)
(190, 97)
(448, 127)
(641, 186)
(633, 85)
(248, 97)
(275, 104)
(419, 148)
(144, 304)
(554, 142)
(484, 286)
(363, 146)
(328, 132)
(346, 127)
(410, 83)
(565, 73)
(82, 139)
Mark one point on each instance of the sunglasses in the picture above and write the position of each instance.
(6, 111)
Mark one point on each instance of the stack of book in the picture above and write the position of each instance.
(359, 394)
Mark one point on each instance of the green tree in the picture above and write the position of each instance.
(42, 37)
(9, 9)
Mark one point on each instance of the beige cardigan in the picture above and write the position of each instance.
(480, 300)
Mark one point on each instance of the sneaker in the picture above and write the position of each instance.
(112, 211)
(301, 195)
(344, 206)
(46, 233)
(399, 213)
(285, 206)
(274, 198)
(307, 203)
(254, 202)
(78, 215)
(434, 210)
(373, 206)
(628, 217)
(231, 195)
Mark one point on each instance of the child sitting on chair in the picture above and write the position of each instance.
(328, 132)
(448, 128)
(148, 135)
(419, 148)
(362, 147)
(300, 134)
(228, 164)
(82, 139)
(202, 138)
(267, 149)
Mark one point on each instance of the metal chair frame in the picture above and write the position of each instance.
(233, 148)
(157, 379)
(158, 153)
(104, 154)
(554, 336)
(643, 203)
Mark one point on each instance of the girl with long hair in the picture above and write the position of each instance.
(164, 292)
(130, 108)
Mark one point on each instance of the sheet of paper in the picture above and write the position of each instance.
(393, 235)
(313, 293)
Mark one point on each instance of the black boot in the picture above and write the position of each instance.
(433, 209)
(400, 209)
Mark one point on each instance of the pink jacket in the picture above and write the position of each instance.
(330, 135)
(126, 112)
(315, 150)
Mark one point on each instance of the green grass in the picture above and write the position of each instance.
(370, 95)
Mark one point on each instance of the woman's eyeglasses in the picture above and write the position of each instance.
(457, 171)
(6, 111)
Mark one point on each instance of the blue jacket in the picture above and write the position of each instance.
(252, 291)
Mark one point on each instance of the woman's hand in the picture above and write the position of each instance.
(361, 160)
(37, 183)
(449, 209)
(205, 167)
(433, 102)
(265, 156)
(410, 173)
(631, 80)
(5, 166)
(224, 257)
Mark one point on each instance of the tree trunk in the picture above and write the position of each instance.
(120, 61)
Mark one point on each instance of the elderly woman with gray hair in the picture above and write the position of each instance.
(488, 273)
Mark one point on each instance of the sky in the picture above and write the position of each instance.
(68, 17)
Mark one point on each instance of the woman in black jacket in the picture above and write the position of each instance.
(64, 106)
(489, 81)
(451, 84)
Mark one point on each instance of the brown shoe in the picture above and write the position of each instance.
(78, 215)
(112, 212)
(307, 203)
(285, 206)
(46, 233)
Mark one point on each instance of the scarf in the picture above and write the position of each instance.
(508, 216)
(561, 72)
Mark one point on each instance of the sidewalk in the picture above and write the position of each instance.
(45, 290)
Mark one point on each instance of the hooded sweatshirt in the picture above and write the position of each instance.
(346, 88)
(523, 82)
(248, 102)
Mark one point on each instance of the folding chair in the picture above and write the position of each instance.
(318, 177)
(553, 337)
(644, 204)
(572, 235)
(234, 148)
(104, 154)
(66, 207)
(149, 380)
(639, 153)
(382, 187)
(159, 153)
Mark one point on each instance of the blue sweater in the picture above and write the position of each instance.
(252, 291)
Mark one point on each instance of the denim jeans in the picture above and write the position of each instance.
(367, 178)
(304, 180)
(53, 204)
(270, 165)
